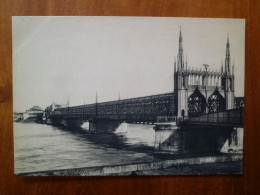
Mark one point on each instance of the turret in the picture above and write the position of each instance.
(174, 64)
(233, 69)
(186, 63)
(227, 61)
(180, 53)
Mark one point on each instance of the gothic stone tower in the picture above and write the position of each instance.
(200, 91)
(228, 79)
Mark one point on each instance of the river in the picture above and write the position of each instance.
(40, 147)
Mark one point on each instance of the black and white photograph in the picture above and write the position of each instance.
(128, 96)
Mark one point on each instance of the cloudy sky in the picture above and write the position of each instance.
(75, 57)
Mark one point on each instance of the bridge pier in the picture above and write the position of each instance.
(101, 125)
(235, 141)
(66, 122)
(192, 140)
(72, 122)
(161, 144)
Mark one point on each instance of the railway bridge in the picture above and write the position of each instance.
(197, 94)
(111, 114)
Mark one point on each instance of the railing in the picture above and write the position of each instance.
(165, 119)
(228, 117)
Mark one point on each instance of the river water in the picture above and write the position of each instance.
(40, 147)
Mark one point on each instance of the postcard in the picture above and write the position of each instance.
(120, 96)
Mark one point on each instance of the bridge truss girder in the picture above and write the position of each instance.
(142, 109)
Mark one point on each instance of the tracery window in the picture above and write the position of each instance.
(216, 102)
(196, 103)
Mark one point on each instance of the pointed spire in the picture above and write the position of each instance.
(233, 67)
(180, 53)
(180, 38)
(68, 101)
(222, 67)
(227, 62)
(228, 48)
(119, 96)
(186, 62)
(53, 104)
(96, 97)
(174, 64)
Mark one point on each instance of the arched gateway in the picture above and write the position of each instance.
(216, 102)
(196, 104)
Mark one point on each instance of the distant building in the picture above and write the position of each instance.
(34, 110)
(33, 114)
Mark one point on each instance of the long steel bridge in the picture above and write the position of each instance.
(141, 109)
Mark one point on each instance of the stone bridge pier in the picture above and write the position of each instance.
(192, 140)
(103, 125)
(66, 122)
(95, 125)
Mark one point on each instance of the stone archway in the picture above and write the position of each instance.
(216, 102)
(196, 103)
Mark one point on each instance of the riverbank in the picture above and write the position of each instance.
(224, 164)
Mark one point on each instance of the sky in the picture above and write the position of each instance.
(75, 58)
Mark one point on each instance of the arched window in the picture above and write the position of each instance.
(216, 102)
(196, 103)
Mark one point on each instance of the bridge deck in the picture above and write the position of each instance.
(232, 117)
